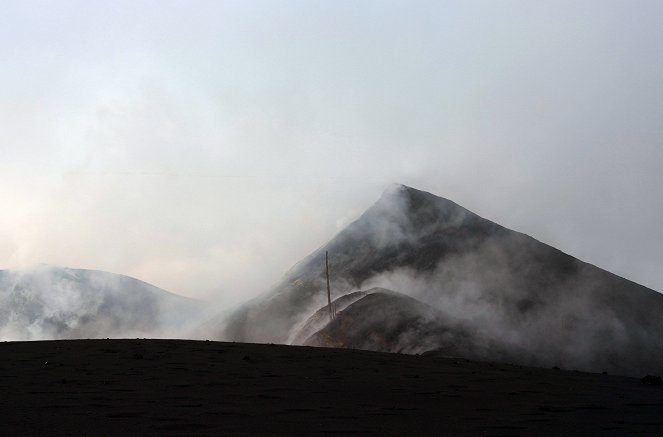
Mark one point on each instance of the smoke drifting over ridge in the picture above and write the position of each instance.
(258, 122)
(60, 303)
(537, 304)
(574, 322)
(462, 285)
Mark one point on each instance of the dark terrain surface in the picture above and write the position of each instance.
(174, 387)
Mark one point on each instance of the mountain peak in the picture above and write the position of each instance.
(420, 210)
(400, 190)
(539, 305)
(394, 189)
(414, 199)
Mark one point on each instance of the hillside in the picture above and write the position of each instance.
(59, 303)
(387, 321)
(505, 286)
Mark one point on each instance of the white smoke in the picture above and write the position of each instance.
(53, 303)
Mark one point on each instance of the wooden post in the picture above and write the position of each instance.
(331, 315)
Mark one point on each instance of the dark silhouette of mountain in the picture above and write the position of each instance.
(390, 234)
(506, 287)
(61, 303)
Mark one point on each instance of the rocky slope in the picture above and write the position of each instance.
(504, 286)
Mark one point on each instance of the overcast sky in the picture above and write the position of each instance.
(206, 146)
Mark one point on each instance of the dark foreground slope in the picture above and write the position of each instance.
(166, 387)
(59, 303)
(503, 285)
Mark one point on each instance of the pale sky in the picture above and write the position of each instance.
(207, 146)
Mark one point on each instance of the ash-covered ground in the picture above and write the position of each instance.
(174, 387)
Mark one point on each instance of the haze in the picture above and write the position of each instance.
(207, 146)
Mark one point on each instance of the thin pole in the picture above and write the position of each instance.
(331, 316)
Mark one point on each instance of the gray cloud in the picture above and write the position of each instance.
(206, 147)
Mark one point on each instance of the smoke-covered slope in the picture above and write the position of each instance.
(505, 285)
(404, 228)
(387, 321)
(320, 318)
(59, 303)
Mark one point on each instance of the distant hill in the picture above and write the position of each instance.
(62, 303)
(503, 286)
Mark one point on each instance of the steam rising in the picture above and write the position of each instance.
(191, 146)
(473, 287)
(523, 300)
(57, 303)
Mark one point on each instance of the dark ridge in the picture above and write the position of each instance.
(501, 284)
(372, 244)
